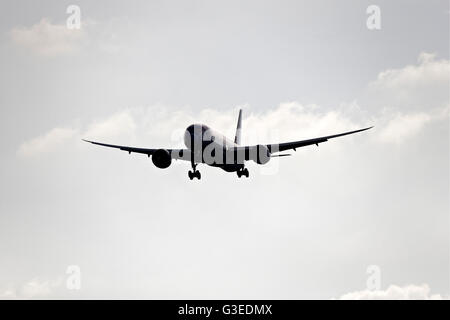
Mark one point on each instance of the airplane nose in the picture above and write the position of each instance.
(190, 128)
(193, 132)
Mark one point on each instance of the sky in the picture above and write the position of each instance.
(360, 217)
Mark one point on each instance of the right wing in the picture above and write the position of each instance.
(179, 154)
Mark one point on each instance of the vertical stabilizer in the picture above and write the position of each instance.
(237, 138)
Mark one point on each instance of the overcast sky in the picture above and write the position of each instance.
(308, 226)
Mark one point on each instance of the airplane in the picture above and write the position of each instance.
(207, 146)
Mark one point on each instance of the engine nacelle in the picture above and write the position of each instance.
(161, 158)
(261, 154)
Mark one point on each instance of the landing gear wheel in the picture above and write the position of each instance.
(242, 172)
(194, 174)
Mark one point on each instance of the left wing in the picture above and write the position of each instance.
(182, 154)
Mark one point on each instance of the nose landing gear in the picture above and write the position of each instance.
(194, 173)
(243, 172)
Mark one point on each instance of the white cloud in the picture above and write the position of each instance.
(120, 125)
(404, 101)
(398, 126)
(163, 127)
(34, 289)
(393, 292)
(420, 87)
(294, 121)
(117, 125)
(46, 142)
(402, 126)
(8, 294)
(413, 97)
(427, 72)
(48, 39)
(288, 121)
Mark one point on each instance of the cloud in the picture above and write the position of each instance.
(34, 289)
(404, 101)
(393, 292)
(402, 126)
(47, 39)
(288, 121)
(46, 142)
(117, 125)
(428, 71)
(164, 127)
(420, 87)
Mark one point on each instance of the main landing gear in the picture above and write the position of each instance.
(194, 173)
(242, 172)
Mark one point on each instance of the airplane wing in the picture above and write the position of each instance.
(181, 154)
(303, 143)
(184, 154)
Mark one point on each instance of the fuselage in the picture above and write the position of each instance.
(200, 134)
(201, 140)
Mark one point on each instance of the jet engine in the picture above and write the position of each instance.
(161, 158)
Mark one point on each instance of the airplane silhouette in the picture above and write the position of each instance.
(205, 145)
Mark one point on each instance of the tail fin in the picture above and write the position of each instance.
(237, 138)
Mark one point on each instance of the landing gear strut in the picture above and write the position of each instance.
(194, 173)
(243, 172)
